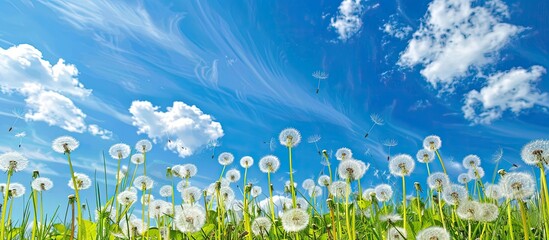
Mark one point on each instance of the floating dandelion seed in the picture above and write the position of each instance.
(64, 144)
(20, 135)
(295, 220)
(213, 144)
(314, 139)
(18, 115)
(319, 75)
(377, 120)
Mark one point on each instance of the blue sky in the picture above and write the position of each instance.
(472, 72)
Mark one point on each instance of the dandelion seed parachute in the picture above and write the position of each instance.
(246, 162)
(401, 165)
(42, 184)
(143, 146)
(432, 143)
(343, 154)
(82, 181)
(518, 185)
(13, 161)
(261, 226)
(289, 137)
(225, 158)
(233, 175)
(432, 233)
(438, 180)
(295, 220)
(425, 156)
(454, 194)
(396, 233)
(384, 192)
(390, 218)
(64, 143)
(119, 151)
(471, 161)
(269, 164)
(535, 152)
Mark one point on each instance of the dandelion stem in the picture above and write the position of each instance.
(347, 222)
(404, 202)
(294, 204)
(441, 162)
(6, 191)
(525, 226)
(35, 221)
(79, 206)
(271, 197)
(509, 220)
(440, 209)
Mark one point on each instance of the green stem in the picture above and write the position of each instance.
(440, 209)
(404, 202)
(294, 204)
(509, 220)
(441, 162)
(271, 197)
(35, 221)
(525, 226)
(6, 191)
(347, 222)
(79, 205)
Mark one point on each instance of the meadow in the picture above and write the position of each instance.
(506, 205)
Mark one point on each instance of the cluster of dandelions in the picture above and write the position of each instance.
(332, 205)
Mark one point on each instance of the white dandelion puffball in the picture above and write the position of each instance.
(363, 167)
(135, 226)
(246, 161)
(464, 178)
(166, 191)
(126, 198)
(143, 183)
(42, 184)
(17, 190)
(190, 219)
(535, 152)
(433, 233)
(13, 161)
(518, 185)
(493, 191)
(308, 183)
(368, 193)
(438, 180)
(143, 146)
(64, 144)
(343, 154)
(315, 191)
(468, 210)
(350, 169)
(225, 158)
(384, 192)
(181, 185)
(82, 181)
(256, 191)
(432, 143)
(324, 180)
(339, 189)
(295, 220)
(476, 172)
(191, 194)
(226, 194)
(157, 207)
(176, 170)
(269, 164)
(390, 218)
(301, 203)
(233, 175)
(287, 186)
(425, 156)
(146, 199)
(137, 158)
(471, 161)
(402, 165)
(488, 212)
(188, 170)
(261, 226)
(119, 151)
(396, 233)
(454, 194)
(289, 137)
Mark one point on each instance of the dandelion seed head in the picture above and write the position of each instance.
(41, 184)
(126, 198)
(82, 181)
(143, 146)
(176, 170)
(476, 172)
(396, 233)
(324, 180)
(233, 175)
(535, 152)
(166, 191)
(425, 156)
(181, 185)
(64, 144)
(468, 210)
(295, 220)
(339, 189)
(119, 151)
(402, 165)
(343, 154)
(433, 233)
(135, 226)
(188, 170)
(190, 220)
(464, 178)
(438, 181)
(363, 167)
(191, 194)
(289, 137)
(146, 199)
(315, 192)
(269, 164)
(143, 182)
(226, 194)
(261, 226)
(384, 192)
(256, 191)
(487, 212)
(17, 190)
(13, 161)
(225, 158)
(368, 193)
(493, 191)
(350, 169)
(301, 203)
(518, 185)
(246, 161)
(471, 161)
(157, 207)
(308, 183)
(137, 159)
(377, 119)
(432, 143)
(454, 194)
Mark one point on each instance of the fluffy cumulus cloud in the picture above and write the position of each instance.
(47, 88)
(185, 127)
(512, 90)
(348, 21)
(455, 37)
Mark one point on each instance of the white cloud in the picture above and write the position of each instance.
(187, 127)
(400, 32)
(456, 37)
(95, 130)
(348, 21)
(47, 88)
(512, 90)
